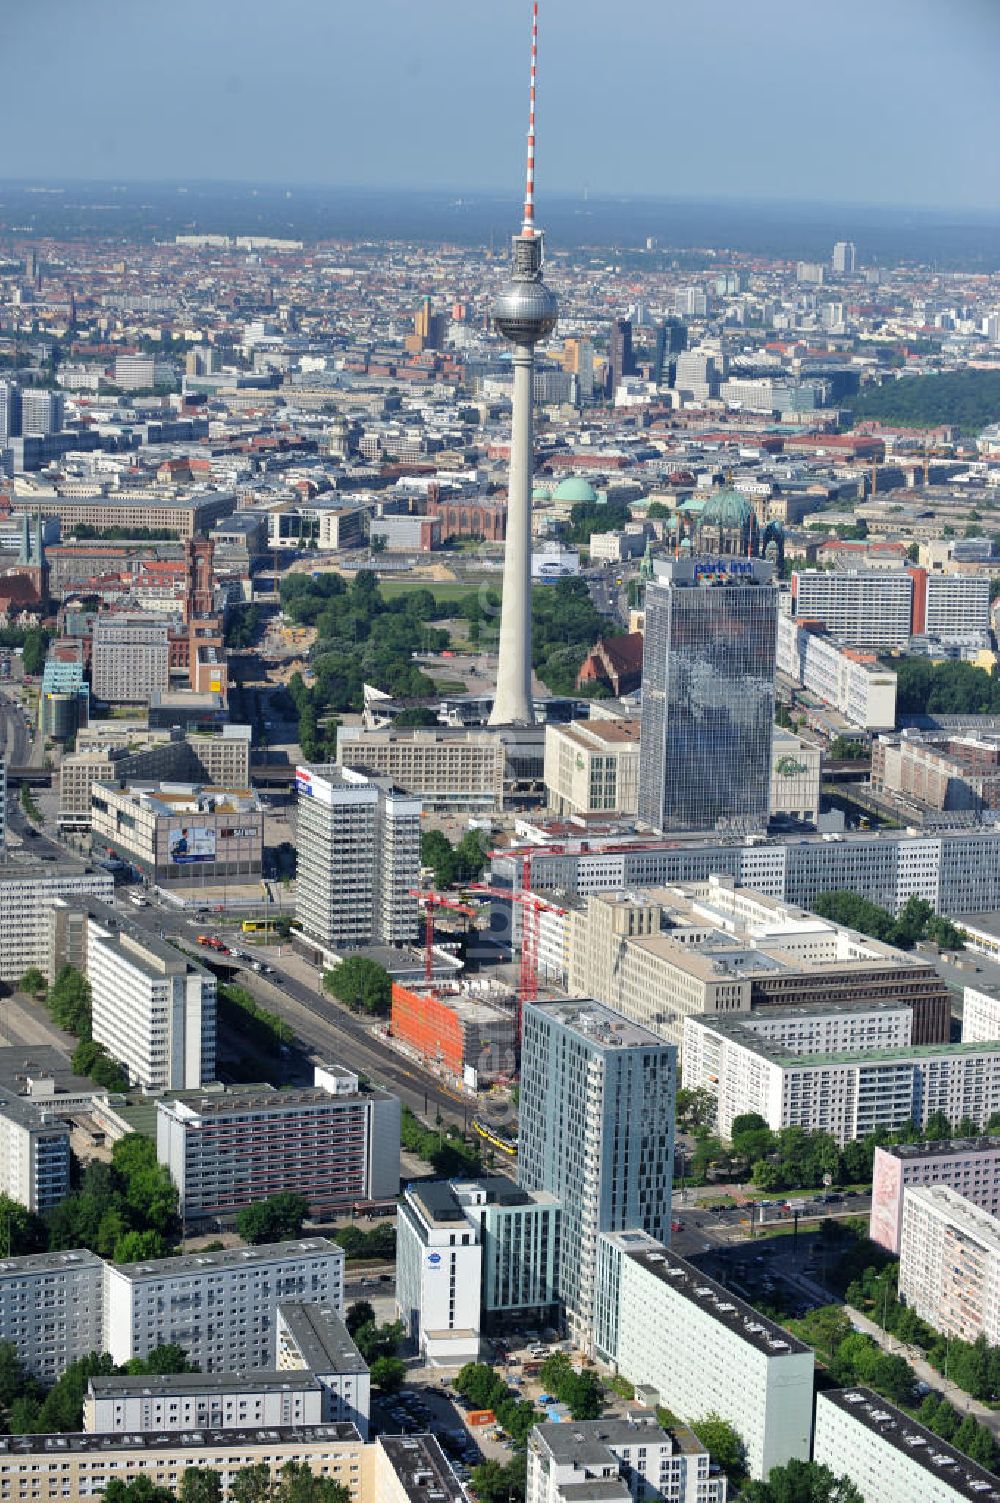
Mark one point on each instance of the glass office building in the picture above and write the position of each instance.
(708, 695)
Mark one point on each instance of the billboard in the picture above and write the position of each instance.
(191, 843)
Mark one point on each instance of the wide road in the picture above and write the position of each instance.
(318, 1021)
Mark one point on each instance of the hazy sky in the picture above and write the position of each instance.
(863, 101)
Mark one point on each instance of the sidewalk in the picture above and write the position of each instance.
(957, 1397)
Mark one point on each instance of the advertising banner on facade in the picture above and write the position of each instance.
(191, 843)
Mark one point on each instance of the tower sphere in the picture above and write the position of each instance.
(525, 311)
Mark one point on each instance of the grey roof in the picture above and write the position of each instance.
(919, 1444)
(322, 1338)
(587, 1442)
(943, 1148)
(48, 1262)
(717, 1301)
(598, 1025)
(422, 1469)
(261, 1380)
(194, 1440)
(229, 1257)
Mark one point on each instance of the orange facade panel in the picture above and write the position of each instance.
(428, 1024)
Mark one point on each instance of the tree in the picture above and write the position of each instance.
(298, 1483)
(90, 1058)
(200, 1484)
(135, 1247)
(801, 1482)
(696, 1109)
(278, 1218)
(494, 1483)
(36, 645)
(252, 1484)
(374, 1341)
(479, 1385)
(361, 1313)
(388, 1373)
(162, 1361)
(68, 1001)
(32, 983)
(13, 1378)
(22, 1231)
(584, 1394)
(362, 984)
(138, 1490)
(723, 1443)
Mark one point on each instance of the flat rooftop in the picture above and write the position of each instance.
(697, 1288)
(181, 1385)
(50, 1262)
(229, 1257)
(737, 1029)
(915, 1442)
(322, 1338)
(422, 1469)
(599, 1025)
(261, 1099)
(586, 1443)
(194, 1440)
(944, 1149)
(968, 1220)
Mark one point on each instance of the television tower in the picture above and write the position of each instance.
(524, 312)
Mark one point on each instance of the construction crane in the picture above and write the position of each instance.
(430, 901)
(532, 907)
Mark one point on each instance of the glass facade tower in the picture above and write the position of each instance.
(708, 695)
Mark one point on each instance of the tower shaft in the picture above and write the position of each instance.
(513, 703)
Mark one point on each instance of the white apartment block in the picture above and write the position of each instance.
(130, 660)
(970, 1167)
(34, 1153)
(620, 1461)
(195, 1401)
(853, 682)
(846, 1093)
(980, 1016)
(447, 767)
(336, 1146)
(3, 808)
(663, 1323)
(870, 607)
(46, 1468)
(358, 859)
(221, 1307)
(949, 1263)
(313, 1338)
(52, 1309)
(27, 895)
(592, 767)
(154, 1010)
(958, 607)
(889, 1457)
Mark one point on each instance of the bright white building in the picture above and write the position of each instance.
(949, 1263)
(220, 1307)
(970, 1167)
(852, 682)
(197, 1401)
(313, 1338)
(846, 1093)
(872, 607)
(663, 1323)
(796, 768)
(154, 1010)
(131, 658)
(889, 1457)
(592, 767)
(620, 1461)
(34, 1153)
(52, 1309)
(358, 859)
(980, 1016)
(27, 895)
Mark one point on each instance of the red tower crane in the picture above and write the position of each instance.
(430, 901)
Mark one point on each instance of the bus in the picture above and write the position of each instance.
(259, 926)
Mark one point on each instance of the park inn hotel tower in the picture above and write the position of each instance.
(708, 695)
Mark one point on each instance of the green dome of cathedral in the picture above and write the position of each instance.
(727, 509)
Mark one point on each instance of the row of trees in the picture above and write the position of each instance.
(69, 1004)
(443, 1148)
(28, 1409)
(917, 920)
(243, 626)
(295, 1483)
(483, 1388)
(953, 688)
(378, 1345)
(244, 1014)
(379, 1242)
(801, 1482)
(279, 1218)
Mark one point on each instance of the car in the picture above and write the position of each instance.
(677, 1226)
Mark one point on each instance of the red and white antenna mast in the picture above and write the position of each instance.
(528, 226)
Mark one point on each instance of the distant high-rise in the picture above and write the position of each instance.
(41, 412)
(671, 339)
(596, 1130)
(621, 356)
(524, 313)
(844, 257)
(708, 695)
(10, 410)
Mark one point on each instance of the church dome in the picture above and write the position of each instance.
(574, 489)
(727, 509)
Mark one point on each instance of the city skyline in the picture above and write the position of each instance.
(252, 103)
